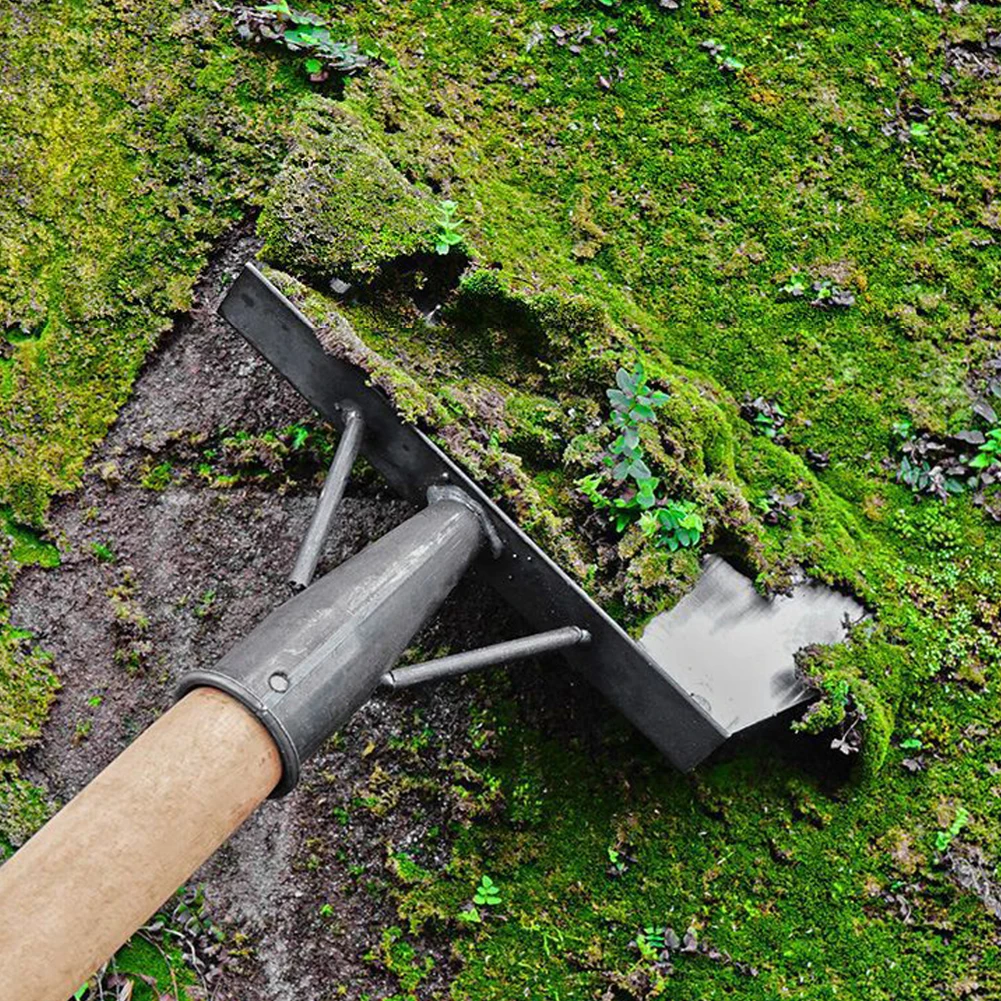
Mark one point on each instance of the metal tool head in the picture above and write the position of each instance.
(734, 650)
(661, 685)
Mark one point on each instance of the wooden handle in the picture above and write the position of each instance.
(98, 869)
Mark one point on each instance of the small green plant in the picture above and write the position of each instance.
(989, 452)
(717, 50)
(766, 416)
(449, 232)
(667, 522)
(469, 916)
(326, 910)
(158, 477)
(103, 553)
(304, 33)
(826, 294)
(943, 839)
(654, 939)
(633, 403)
(95, 700)
(618, 861)
(911, 744)
(487, 893)
(298, 434)
(920, 132)
(205, 602)
(675, 525)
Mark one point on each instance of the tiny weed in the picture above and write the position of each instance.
(989, 451)
(102, 552)
(618, 862)
(766, 416)
(158, 477)
(298, 434)
(826, 294)
(487, 893)
(675, 525)
(717, 50)
(303, 33)
(204, 607)
(668, 523)
(943, 839)
(449, 232)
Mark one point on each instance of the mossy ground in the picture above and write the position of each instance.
(653, 212)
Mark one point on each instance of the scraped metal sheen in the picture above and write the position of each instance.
(733, 650)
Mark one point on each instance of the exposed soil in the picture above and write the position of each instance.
(172, 548)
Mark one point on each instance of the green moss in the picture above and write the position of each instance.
(339, 207)
(119, 174)
(164, 965)
(23, 809)
(27, 546)
(27, 687)
(658, 220)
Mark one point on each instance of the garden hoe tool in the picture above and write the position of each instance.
(239, 733)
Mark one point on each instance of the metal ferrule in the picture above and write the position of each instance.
(315, 659)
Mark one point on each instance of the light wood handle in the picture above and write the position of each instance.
(98, 869)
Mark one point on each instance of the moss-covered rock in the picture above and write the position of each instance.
(339, 207)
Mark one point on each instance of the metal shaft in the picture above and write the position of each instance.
(330, 499)
(314, 660)
(487, 656)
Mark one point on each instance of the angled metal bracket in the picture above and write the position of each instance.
(485, 656)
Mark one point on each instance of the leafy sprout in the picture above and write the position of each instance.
(988, 452)
(668, 523)
(487, 893)
(449, 232)
(302, 32)
(943, 839)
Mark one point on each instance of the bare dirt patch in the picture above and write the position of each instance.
(192, 569)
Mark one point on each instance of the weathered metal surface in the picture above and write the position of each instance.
(330, 498)
(733, 650)
(316, 658)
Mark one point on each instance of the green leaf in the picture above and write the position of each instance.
(625, 382)
(314, 66)
(638, 470)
